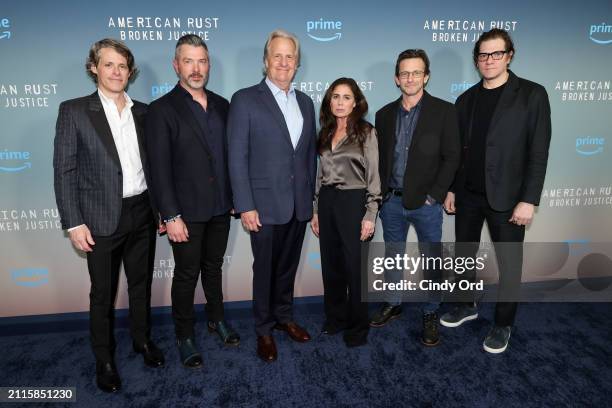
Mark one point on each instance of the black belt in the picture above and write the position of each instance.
(136, 198)
(395, 192)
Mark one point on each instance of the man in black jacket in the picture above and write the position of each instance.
(187, 146)
(505, 129)
(419, 154)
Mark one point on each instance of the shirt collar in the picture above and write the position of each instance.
(415, 108)
(108, 102)
(275, 89)
(186, 94)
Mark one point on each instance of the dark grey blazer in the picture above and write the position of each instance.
(434, 152)
(88, 179)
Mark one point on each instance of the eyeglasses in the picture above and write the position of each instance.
(496, 55)
(408, 74)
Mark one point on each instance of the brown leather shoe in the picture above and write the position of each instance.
(295, 332)
(266, 348)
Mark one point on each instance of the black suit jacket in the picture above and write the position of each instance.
(182, 164)
(434, 153)
(88, 179)
(516, 154)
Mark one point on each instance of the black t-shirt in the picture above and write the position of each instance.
(486, 101)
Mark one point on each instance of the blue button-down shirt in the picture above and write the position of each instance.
(404, 129)
(287, 102)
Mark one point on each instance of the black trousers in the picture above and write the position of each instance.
(133, 243)
(340, 216)
(472, 210)
(276, 253)
(202, 254)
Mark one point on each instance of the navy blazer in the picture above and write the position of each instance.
(182, 164)
(267, 174)
(88, 179)
(518, 139)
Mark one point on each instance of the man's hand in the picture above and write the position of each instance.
(314, 224)
(81, 238)
(367, 229)
(250, 220)
(177, 230)
(522, 214)
(449, 203)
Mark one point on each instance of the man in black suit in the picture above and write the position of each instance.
(187, 143)
(419, 154)
(100, 171)
(505, 129)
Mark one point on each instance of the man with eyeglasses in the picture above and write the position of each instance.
(505, 130)
(419, 152)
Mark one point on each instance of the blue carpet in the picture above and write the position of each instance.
(559, 355)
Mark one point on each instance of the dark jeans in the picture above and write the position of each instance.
(133, 243)
(472, 210)
(276, 255)
(340, 216)
(427, 221)
(201, 255)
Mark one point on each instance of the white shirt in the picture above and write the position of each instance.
(124, 134)
(287, 102)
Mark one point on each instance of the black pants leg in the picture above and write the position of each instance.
(472, 210)
(214, 244)
(203, 253)
(133, 243)
(340, 216)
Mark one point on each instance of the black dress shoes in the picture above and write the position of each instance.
(107, 377)
(385, 314)
(430, 336)
(227, 334)
(153, 357)
(190, 356)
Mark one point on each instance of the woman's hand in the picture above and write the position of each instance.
(367, 229)
(314, 224)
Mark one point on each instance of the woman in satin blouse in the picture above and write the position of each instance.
(346, 205)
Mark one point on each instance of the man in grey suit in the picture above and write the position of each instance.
(100, 173)
(272, 165)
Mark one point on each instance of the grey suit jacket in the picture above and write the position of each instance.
(88, 178)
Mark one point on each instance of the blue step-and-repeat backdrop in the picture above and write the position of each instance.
(565, 46)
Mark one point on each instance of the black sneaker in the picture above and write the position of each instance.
(430, 335)
(386, 313)
(459, 315)
(497, 340)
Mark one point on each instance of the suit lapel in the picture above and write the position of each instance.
(424, 117)
(186, 114)
(391, 124)
(268, 100)
(98, 119)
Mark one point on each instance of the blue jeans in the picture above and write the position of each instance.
(427, 221)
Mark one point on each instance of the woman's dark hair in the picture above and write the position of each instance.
(357, 128)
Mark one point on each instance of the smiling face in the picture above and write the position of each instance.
(342, 101)
(411, 78)
(493, 70)
(112, 72)
(192, 66)
(281, 62)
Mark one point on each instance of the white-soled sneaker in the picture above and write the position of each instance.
(497, 340)
(459, 315)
